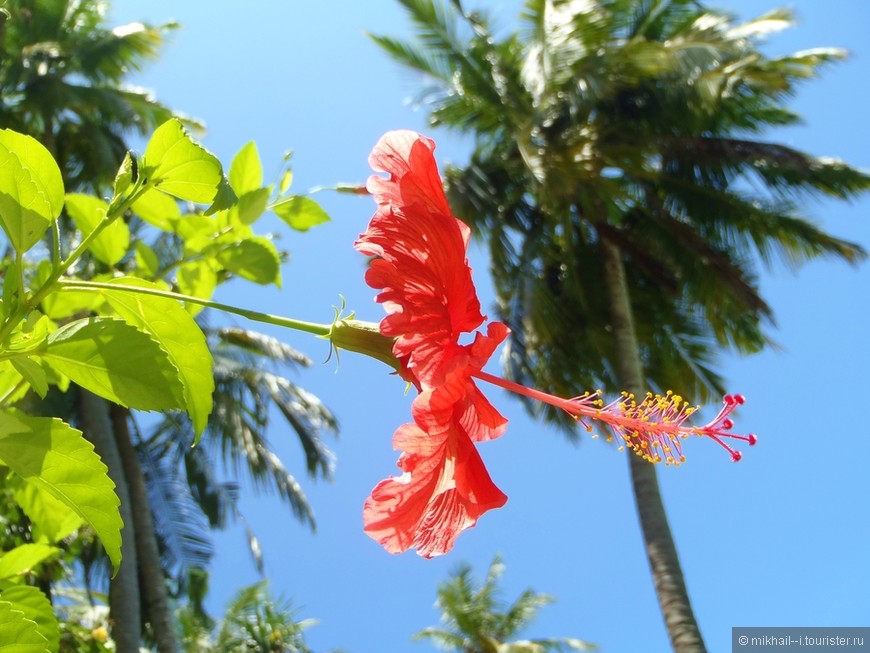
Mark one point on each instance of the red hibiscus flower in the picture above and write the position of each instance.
(420, 266)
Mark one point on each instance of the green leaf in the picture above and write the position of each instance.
(255, 259)
(124, 178)
(59, 305)
(49, 517)
(224, 199)
(157, 209)
(11, 387)
(34, 604)
(55, 457)
(147, 262)
(116, 361)
(196, 278)
(24, 558)
(29, 335)
(286, 181)
(33, 373)
(300, 212)
(40, 164)
(251, 205)
(87, 212)
(18, 633)
(198, 233)
(179, 336)
(246, 171)
(25, 212)
(176, 165)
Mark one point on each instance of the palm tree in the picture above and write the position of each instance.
(477, 620)
(255, 620)
(61, 80)
(627, 198)
(187, 490)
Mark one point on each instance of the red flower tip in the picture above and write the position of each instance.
(751, 439)
(736, 456)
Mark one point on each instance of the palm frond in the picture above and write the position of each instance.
(180, 524)
(475, 619)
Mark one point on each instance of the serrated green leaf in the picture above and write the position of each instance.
(112, 243)
(251, 205)
(116, 361)
(42, 167)
(18, 633)
(246, 171)
(255, 259)
(50, 518)
(157, 209)
(34, 604)
(176, 165)
(25, 212)
(23, 558)
(224, 199)
(178, 335)
(50, 454)
(300, 212)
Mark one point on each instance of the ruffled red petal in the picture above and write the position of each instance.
(422, 271)
(421, 261)
(444, 490)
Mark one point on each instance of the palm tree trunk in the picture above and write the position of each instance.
(124, 604)
(151, 577)
(664, 562)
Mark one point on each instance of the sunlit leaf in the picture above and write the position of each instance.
(196, 278)
(252, 205)
(33, 373)
(12, 384)
(254, 259)
(116, 361)
(34, 604)
(124, 177)
(29, 335)
(166, 321)
(176, 165)
(246, 171)
(112, 243)
(40, 164)
(147, 262)
(56, 458)
(23, 558)
(157, 209)
(300, 213)
(25, 212)
(286, 181)
(18, 633)
(49, 517)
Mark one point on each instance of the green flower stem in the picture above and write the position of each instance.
(114, 213)
(314, 328)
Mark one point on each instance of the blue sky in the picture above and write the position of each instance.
(778, 539)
